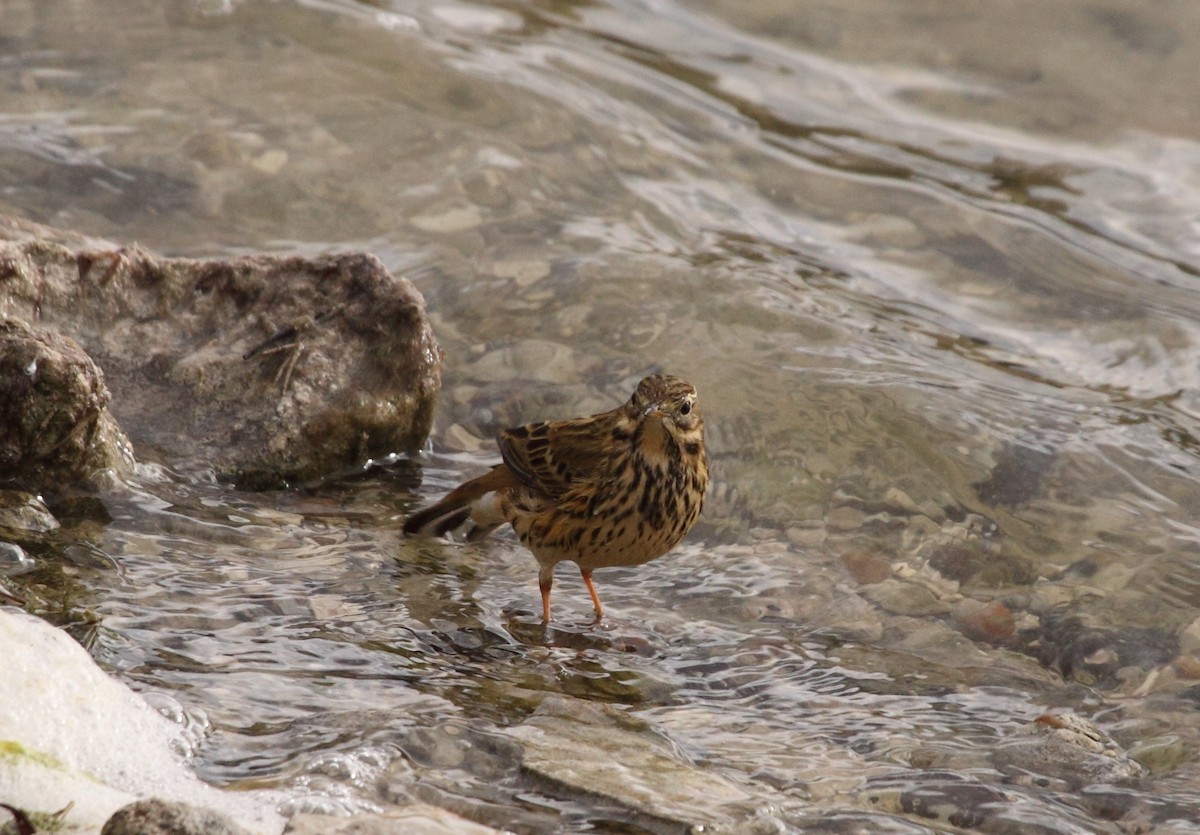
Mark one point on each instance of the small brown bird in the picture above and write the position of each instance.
(618, 488)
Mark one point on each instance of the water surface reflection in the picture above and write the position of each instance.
(933, 273)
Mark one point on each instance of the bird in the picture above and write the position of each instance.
(619, 488)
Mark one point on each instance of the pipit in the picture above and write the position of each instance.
(618, 488)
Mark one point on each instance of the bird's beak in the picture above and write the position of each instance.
(653, 410)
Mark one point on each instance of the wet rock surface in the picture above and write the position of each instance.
(600, 751)
(266, 370)
(55, 424)
(79, 747)
(1068, 748)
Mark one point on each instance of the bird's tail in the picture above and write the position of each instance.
(474, 500)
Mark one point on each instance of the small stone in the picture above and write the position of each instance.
(899, 499)
(1161, 754)
(991, 622)
(532, 359)
(522, 272)
(957, 561)
(332, 606)
(451, 220)
(460, 438)
(417, 819)
(600, 751)
(805, 537)
(901, 598)
(932, 511)
(164, 817)
(1187, 666)
(820, 465)
(845, 518)
(867, 568)
(271, 162)
(1068, 747)
(1189, 638)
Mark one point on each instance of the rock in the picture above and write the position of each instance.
(164, 817)
(1161, 755)
(1094, 653)
(24, 516)
(55, 427)
(597, 750)
(904, 598)
(265, 369)
(950, 798)
(991, 622)
(418, 819)
(1066, 747)
(1189, 638)
(867, 568)
(69, 734)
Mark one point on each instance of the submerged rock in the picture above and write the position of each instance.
(601, 752)
(417, 819)
(1068, 748)
(264, 369)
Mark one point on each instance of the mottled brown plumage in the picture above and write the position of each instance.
(617, 488)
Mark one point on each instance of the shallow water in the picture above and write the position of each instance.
(932, 268)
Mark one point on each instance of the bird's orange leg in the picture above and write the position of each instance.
(545, 581)
(591, 587)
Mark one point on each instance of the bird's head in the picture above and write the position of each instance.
(669, 403)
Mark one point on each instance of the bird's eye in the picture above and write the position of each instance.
(686, 408)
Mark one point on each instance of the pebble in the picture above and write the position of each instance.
(599, 750)
(523, 272)
(460, 438)
(845, 518)
(991, 622)
(867, 568)
(532, 359)
(1189, 638)
(901, 598)
(1068, 747)
(806, 537)
(1160, 754)
(270, 162)
(452, 220)
(417, 819)
(167, 817)
(1187, 666)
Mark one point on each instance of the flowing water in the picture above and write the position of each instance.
(933, 267)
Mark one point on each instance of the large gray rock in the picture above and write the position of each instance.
(76, 740)
(265, 369)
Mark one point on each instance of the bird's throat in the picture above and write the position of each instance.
(656, 443)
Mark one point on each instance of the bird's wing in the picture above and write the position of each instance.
(554, 456)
